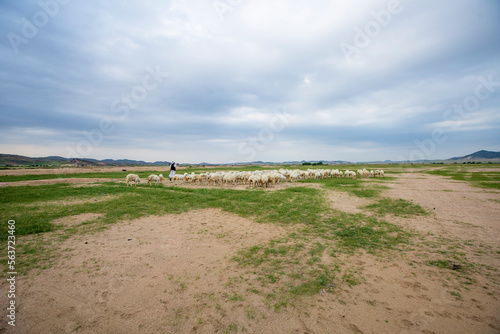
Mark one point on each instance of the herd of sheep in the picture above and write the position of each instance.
(263, 178)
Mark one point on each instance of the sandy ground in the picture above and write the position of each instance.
(170, 274)
(459, 210)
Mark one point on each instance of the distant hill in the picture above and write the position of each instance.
(12, 160)
(19, 160)
(122, 162)
(479, 156)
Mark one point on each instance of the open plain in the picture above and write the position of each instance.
(417, 251)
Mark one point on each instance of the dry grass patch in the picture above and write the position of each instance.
(77, 219)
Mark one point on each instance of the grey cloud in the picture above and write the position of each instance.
(92, 54)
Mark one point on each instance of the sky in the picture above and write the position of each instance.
(224, 81)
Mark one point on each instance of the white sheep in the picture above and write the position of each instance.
(245, 177)
(259, 178)
(350, 174)
(229, 178)
(363, 173)
(336, 173)
(275, 177)
(264, 180)
(154, 178)
(132, 178)
(189, 177)
(294, 176)
(178, 177)
(215, 178)
(254, 180)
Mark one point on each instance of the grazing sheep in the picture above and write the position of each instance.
(294, 176)
(264, 180)
(261, 178)
(132, 178)
(350, 174)
(153, 178)
(245, 176)
(215, 178)
(275, 177)
(363, 173)
(229, 178)
(254, 180)
(202, 177)
(196, 178)
(336, 173)
(189, 177)
(178, 177)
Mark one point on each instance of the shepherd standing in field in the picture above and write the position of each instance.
(172, 170)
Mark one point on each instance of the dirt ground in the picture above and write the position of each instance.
(170, 274)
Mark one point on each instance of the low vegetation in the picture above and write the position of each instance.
(292, 205)
(476, 176)
(396, 207)
(356, 187)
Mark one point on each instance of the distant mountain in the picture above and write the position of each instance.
(11, 159)
(479, 156)
(122, 162)
(56, 161)
(19, 160)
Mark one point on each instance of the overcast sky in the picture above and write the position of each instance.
(244, 80)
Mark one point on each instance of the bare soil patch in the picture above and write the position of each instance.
(346, 202)
(150, 275)
(455, 207)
